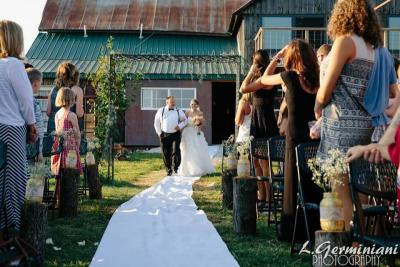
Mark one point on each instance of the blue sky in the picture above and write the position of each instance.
(26, 13)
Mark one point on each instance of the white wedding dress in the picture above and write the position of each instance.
(194, 150)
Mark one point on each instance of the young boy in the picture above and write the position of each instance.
(35, 77)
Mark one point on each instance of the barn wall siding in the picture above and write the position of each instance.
(139, 130)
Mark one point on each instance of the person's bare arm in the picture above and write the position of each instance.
(389, 135)
(373, 153)
(343, 51)
(74, 120)
(239, 114)
(79, 101)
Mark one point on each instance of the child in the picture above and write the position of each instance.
(66, 123)
(35, 77)
(376, 152)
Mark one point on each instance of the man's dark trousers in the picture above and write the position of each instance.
(170, 146)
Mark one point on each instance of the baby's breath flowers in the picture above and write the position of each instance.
(244, 147)
(230, 147)
(328, 173)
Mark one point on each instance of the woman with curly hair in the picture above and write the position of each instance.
(67, 76)
(301, 79)
(345, 74)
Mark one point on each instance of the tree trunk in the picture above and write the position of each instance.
(227, 188)
(69, 192)
(34, 226)
(244, 205)
(335, 239)
(94, 182)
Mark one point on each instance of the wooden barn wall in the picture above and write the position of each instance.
(139, 129)
(252, 16)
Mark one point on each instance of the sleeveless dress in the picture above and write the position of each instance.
(300, 110)
(194, 149)
(263, 121)
(58, 160)
(345, 123)
(244, 129)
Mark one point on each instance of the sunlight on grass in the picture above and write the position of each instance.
(260, 250)
(131, 177)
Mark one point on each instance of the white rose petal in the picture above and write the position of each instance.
(96, 243)
(56, 248)
(82, 243)
(49, 241)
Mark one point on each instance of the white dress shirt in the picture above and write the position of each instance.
(169, 120)
(16, 96)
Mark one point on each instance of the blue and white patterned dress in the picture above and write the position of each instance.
(345, 123)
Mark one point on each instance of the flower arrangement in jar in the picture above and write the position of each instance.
(329, 174)
(92, 144)
(243, 167)
(230, 148)
(35, 184)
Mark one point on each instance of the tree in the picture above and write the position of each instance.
(109, 108)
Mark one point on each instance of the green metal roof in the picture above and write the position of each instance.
(51, 49)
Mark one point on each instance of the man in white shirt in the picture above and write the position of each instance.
(168, 123)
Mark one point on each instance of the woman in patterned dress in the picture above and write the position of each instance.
(355, 30)
(16, 118)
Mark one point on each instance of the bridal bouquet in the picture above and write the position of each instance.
(329, 173)
(198, 121)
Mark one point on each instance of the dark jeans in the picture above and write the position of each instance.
(170, 146)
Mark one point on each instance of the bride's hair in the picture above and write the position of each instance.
(194, 100)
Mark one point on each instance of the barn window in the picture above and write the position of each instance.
(394, 35)
(277, 33)
(154, 97)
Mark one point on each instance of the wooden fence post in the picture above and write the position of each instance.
(244, 205)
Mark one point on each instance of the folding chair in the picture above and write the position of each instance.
(378, 182)
(259, 150)
(304, 152)
(48, 140)
(276, 154)
(32, 151)
(83, 187)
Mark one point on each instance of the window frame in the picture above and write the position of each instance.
(169, 89)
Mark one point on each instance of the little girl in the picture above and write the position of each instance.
(66, 123)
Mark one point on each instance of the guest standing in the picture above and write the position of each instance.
(263, 121)
(301, 79)
(355, 30)
(67, 76)
(16, 118)
(243, 118)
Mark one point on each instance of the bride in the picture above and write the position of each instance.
(194, 148)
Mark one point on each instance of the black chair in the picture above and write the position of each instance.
(32, 151)
(259, 150)
(276, 154)
(304, 152)
(83, 187)
(378, 183)
(48, 140)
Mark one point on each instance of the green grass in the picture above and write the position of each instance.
(260, 250)
(131, 177)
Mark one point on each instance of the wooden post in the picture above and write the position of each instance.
(227, 188)
(34, 226)
(335, 239)
(94, 182)
(244, 205)
(69, 192)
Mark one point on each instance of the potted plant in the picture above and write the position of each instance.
(243, 166)
(329, 174)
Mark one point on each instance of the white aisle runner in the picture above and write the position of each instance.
(161, 226)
